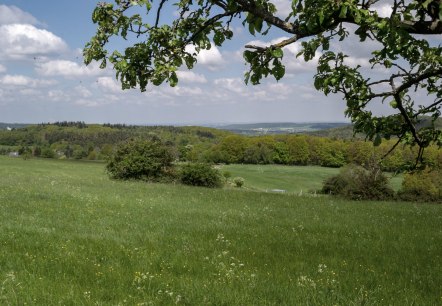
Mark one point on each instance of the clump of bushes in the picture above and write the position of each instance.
(200, 174)
(425, 186)
(357, 183)
(238, 181)
(148, 160)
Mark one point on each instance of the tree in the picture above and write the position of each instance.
(298, 150)
(139, 159)
(405, 51)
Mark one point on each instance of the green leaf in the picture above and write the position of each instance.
(357, 16)
(318, 83)
(393, 104)
(278, 71)
(343, 12)
(321, 17)
(173, 79)
(218, 38)
(378, 140)
(103, 64)
(278, 53)
(252, 29)
(258, 24)
(249, 55)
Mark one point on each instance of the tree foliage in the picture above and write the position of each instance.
(424, 185)
(357, 183)
(412, 64)
(148, 160)
(199, 174)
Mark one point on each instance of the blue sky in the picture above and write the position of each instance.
(43, 78)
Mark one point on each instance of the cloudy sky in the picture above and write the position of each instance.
(43, 78)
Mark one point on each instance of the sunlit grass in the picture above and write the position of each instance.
(70, 236)
(291, 179)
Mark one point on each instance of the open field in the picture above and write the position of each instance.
(292, 179)
(70, 236)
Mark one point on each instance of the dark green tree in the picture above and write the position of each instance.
(148, 160)
(413, 65)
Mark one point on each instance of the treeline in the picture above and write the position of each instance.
(78, 124)
(308, 150)
(199, 144)
(78, 140)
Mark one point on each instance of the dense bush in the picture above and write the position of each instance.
(148, 160)
(357, 183)
(238, 181)
(200, 174)
(47, 153)
(423, 186)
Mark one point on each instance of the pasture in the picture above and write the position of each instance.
(71, 236)
(291, 179)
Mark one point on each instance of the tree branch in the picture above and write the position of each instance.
(157, 20)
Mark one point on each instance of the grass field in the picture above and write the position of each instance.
(292, 179)
(70, 236)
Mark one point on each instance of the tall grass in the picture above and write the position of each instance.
(69, 235)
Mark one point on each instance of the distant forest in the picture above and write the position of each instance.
(330, 148)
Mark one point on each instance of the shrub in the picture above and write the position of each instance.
(47, 153)
(334, 185)
(423, 186)
(227, 175)
(92, 155)
(356, 183)
(238, 181)
(148, 160)
(200, 174)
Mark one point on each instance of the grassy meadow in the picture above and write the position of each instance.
(71, 236)
(291, 179)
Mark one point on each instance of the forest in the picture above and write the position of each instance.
(77, 140)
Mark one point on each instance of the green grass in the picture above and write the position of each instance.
(292, 179)
(70, 236)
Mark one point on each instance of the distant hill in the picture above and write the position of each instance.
(279, 127)
(346, 132)
(4, 126)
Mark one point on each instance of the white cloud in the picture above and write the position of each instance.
(2, 68)
(235, 85)
(24, 81)
(354, 61)
(29, 92)
(87, 103)
(185, 91)
(83, 91)
(284, 7)
(105, 100)
(109, 84)
(67, 69)
(191, 77)
(58, 95)
(211, 58)
(12, 14)
(383, 10)
(23, 40)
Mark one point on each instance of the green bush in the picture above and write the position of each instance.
(200, 174)
(47, 153)
(422, 186)
(238, 181)
(334, 185)
(356, 183)
(227, 175)
(148, 160)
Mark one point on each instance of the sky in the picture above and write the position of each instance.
(43, 78)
